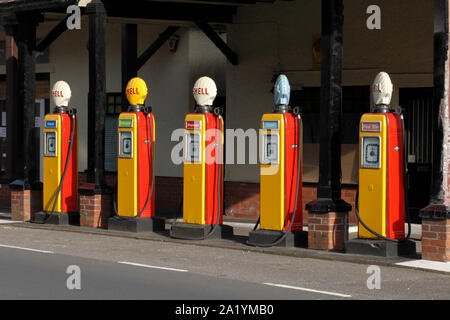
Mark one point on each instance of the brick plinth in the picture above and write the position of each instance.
(327, 231)
(436, 239)
(24, 203)
(95, 207)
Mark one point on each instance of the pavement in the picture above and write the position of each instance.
(242, 227)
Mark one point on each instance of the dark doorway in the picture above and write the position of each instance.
(419, 123)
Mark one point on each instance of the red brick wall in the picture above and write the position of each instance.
(436, 239)
(241, 199)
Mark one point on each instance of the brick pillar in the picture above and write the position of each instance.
(327, 231)
(24, 203)
(435, 233)
(95, 207)
(435, 217)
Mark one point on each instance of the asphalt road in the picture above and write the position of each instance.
(34, 265)
(34, 275)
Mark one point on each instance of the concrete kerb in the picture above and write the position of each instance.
(233, 244)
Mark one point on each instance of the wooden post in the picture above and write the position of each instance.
(129, 57)
(97, 93)
(329, 189)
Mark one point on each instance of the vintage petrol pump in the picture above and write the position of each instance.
(281, 147)
(203, 169)
(135, 209)
(60, 163)
(381, 200)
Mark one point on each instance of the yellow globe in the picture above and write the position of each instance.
(136, 91)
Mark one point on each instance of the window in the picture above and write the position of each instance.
(113, 109)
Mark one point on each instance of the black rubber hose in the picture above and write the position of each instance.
(278, 241)
(405, 185)
(69, 153)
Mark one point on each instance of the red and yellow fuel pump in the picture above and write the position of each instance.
(60, 163)
(281, 219)
(381, 204)
(135, 206)
(203, 169)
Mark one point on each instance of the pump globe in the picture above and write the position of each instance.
(282, 91)
(136, 91)
(382, 89)
(205, 91)
(61, 94)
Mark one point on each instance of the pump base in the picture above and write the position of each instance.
(132, 224)
(59, 218)
(381, 248)
(190, 231)
(267, 237)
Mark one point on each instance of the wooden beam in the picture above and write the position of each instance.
(176, 11)
(54, 34)
(153, 48)
(217, 40)
(97, 94)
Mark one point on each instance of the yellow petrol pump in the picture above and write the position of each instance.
(281, 219)
(203, 169)
(381, 204)
(135, 206)
(60, 163)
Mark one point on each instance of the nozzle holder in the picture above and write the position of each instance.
(136, 108)
(381, 108)
(65, 110)
(282, 108)
(203, 109)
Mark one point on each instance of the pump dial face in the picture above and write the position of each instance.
(50, 144)
(125, 144)
(370, 157)
(193, 147)
(271, 149)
